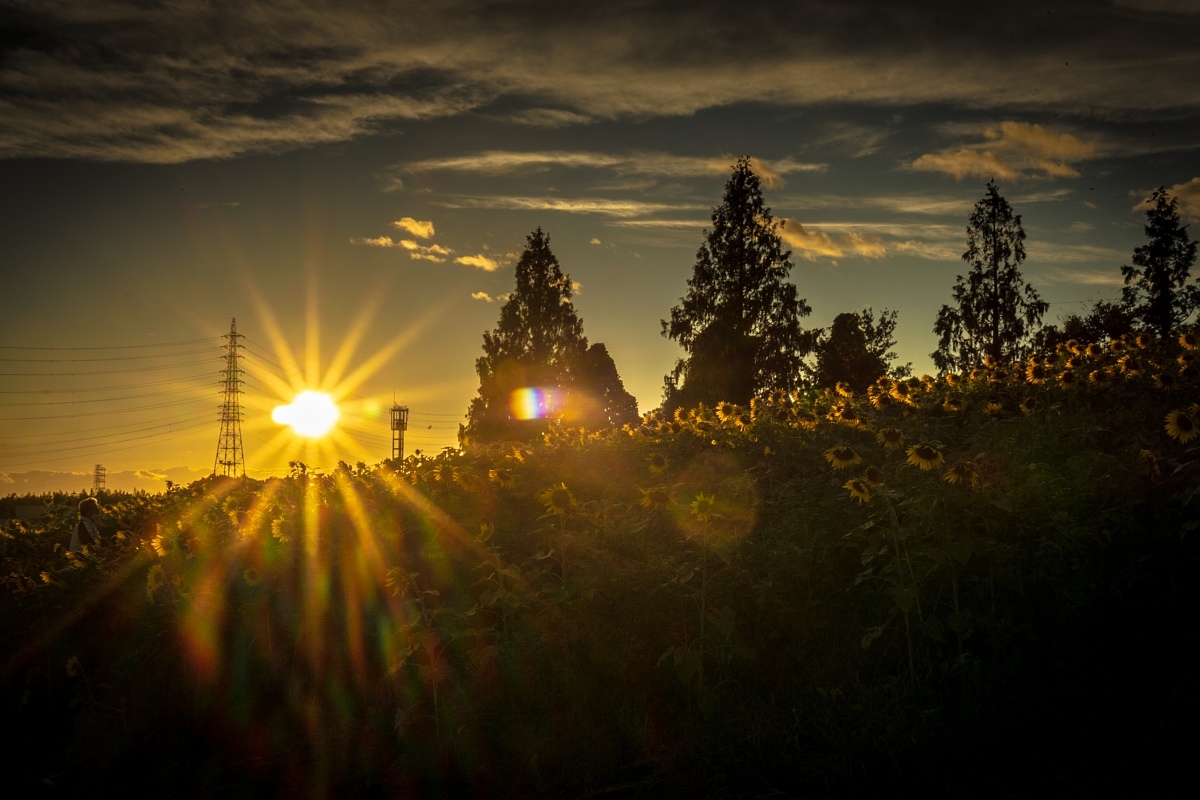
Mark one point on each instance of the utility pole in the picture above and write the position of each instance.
(230, 460)
(98, 480)
(399, 426)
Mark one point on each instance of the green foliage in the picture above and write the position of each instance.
(995, 313)
(740, 319)
(1157, 293)
(814, 593)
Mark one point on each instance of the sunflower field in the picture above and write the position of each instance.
(976, 584)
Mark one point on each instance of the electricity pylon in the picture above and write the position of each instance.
(231, 459)
(399, 426)
(98, 479)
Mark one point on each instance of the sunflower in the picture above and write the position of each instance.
(963, 472)
(1074, 362)
(1189, 340)
(843, 389)
(1144, 341)
(557, 499)
(859, 490)
(1067, 379)
(444, 473)
(842, 457)
(1028, 405)
(1186, 358)
(1165, 380)
(1180, 425)
(744, 421)
(925, 456)
(682, 414)
(989, 361)
(1093, 350)
(872, 476)
(658, 463)
(1072, 346)
(953, 378)
(1152, 466)
(954, 402)
(890, 438)
(1130, 365)
(808, 419)
(993, 411)
(901, 392)
(702, 506)
(1036, 373)
(502, 477)
(847, 414)
(1117, 345)
(779, 397)
(654, 497)
(1100, 377)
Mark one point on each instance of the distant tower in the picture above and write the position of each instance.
(98, 479)
(231, 460)
(399, 426)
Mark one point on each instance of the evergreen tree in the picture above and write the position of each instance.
(740, 319)
(1156, 290)
(599, 399)
(856, 350)
(995, 313)
(537, 345)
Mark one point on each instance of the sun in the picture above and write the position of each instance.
(311, 414)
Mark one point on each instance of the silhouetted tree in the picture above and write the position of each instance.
(1156, 290)
(740, 319)
(995, 312)
(598, 397)
(538, 344)
(1104, 322)
(856, 350)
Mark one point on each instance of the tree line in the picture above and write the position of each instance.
(739, 322)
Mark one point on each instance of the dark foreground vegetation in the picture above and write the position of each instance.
(981, 587)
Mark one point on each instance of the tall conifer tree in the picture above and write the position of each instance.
(1156, 291)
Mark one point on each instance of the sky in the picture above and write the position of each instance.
(354, 181)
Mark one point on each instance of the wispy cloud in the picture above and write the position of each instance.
(416, 250)
(622, 209)
(420, 229)
(813, 243)
(1187, 197)
(1010, 151)
(484, 296)
(481, 261)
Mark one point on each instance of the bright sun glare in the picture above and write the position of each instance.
(311, 414)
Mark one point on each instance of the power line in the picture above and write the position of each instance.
(106, 388)
(107, 449)
(114, 347)
(99, 399)
(106, 445)
(109, 358)
(105, 372)
(103, 413)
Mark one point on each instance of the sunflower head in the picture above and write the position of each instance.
(989, 361)
(925, 456)
(1131, 365)
(842, 457)
(502, 477)
(954, 402)
(963, 472)
(953, 378)
(1093, 350)
(1036, 373)
(1144, 341)
(683, 414)
(658, 463)
(1189, 340)
(702, 506)
(843, 389)
(1100, 377)
(1067, 379)
(1181, 425)
(872, 476)
(993, 411)
(890, 438)
(859, 489)
(726, 410)
(1028, 405)
(655, 497)
(1117, 345)
(558, 499)
(847, 414)
(1165, 380)
(744, 421)
(808, 419)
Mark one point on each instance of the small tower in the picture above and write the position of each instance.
(98, 479)
(399, 426)
(230, 460)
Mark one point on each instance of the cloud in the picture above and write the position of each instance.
(416, 250)
(1187, 197)
(6, 478)
(171, 82)
(621, 209)
(813, 243)
(418, 228)
(594, 240)
(1110, 277)
(481, 261)
(377, 241)
(653, 164)
(484, 296)
(1011, 151)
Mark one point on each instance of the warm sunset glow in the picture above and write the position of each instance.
(311, 414)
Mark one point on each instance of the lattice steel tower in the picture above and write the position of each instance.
(98, 479)
(399, 426)
(231, 459)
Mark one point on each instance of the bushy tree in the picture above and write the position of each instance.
(538, 344)
(1157, 293)
(598, 398)
(995, 312)
(1104, 322)
(856, 350)
(740, 319)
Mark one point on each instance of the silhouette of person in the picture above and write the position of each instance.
(86, 531)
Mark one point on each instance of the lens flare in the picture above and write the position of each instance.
(311, 414)
(536, 402)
